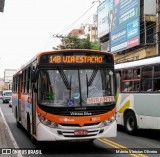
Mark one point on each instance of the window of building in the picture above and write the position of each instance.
(93, 28)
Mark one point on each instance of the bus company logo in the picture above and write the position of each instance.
(95, 119)
(66, 120)
(81, 113)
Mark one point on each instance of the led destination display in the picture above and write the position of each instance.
(95, 59)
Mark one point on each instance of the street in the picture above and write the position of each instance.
(101, 147)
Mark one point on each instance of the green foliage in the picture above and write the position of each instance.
(76, 43)
(95, 45)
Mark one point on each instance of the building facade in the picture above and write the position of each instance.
(1, 85)
(128, 29)
(8, 77)
(85, 31)
(91, 31)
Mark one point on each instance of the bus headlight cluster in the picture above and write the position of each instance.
(109, 121)
(47, 122)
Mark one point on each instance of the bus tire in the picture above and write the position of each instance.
(130, 123)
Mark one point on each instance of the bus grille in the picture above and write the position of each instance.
(70, 133)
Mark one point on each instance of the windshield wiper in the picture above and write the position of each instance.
(64, 78)
(92, 77)
(87, 84)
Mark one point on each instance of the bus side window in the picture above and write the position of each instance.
(147, 79)
(131, 80)
(156, 81)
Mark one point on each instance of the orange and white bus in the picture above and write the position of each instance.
(66, 95)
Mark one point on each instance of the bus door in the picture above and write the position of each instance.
(34, 103)
(19, 97)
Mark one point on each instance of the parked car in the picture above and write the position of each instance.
(1, 96)
(10, 103)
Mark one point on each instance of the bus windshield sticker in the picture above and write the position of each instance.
(50, 96)
(70, 102)
(76, 95)
(100, 99)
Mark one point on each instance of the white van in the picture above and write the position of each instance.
(6, 95)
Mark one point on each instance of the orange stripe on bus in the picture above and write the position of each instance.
(81, 120)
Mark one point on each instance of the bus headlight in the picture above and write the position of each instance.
(109, 121)
(47, 122)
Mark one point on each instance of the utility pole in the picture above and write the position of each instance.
(97, 1)
(2, 5)
(158, 26)
(65, 43)
(59, 36)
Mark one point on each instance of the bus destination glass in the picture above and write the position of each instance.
(76, 59)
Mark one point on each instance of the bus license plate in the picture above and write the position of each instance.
(80, 132)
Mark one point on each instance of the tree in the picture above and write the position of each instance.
(95, 45)
(74, 42)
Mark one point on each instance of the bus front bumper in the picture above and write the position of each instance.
(45, 133)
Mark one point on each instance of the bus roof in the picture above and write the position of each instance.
(141, 62)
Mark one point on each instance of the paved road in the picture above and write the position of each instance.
(101, 147)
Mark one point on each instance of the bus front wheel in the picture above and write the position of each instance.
(130, 123)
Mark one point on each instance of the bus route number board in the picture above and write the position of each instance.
(80, 132)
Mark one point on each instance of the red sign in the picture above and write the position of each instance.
(133, 42)
(80, 132)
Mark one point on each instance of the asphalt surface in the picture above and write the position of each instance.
(146, 139)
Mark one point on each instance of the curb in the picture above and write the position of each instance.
(10, 133)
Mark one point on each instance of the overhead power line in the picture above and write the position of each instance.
(73, 23)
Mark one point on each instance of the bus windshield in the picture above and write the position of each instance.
(61, 88)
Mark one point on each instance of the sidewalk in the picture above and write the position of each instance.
(6, 138)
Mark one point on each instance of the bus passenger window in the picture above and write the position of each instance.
(156, 80)
(147, 79)
(131, 80)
